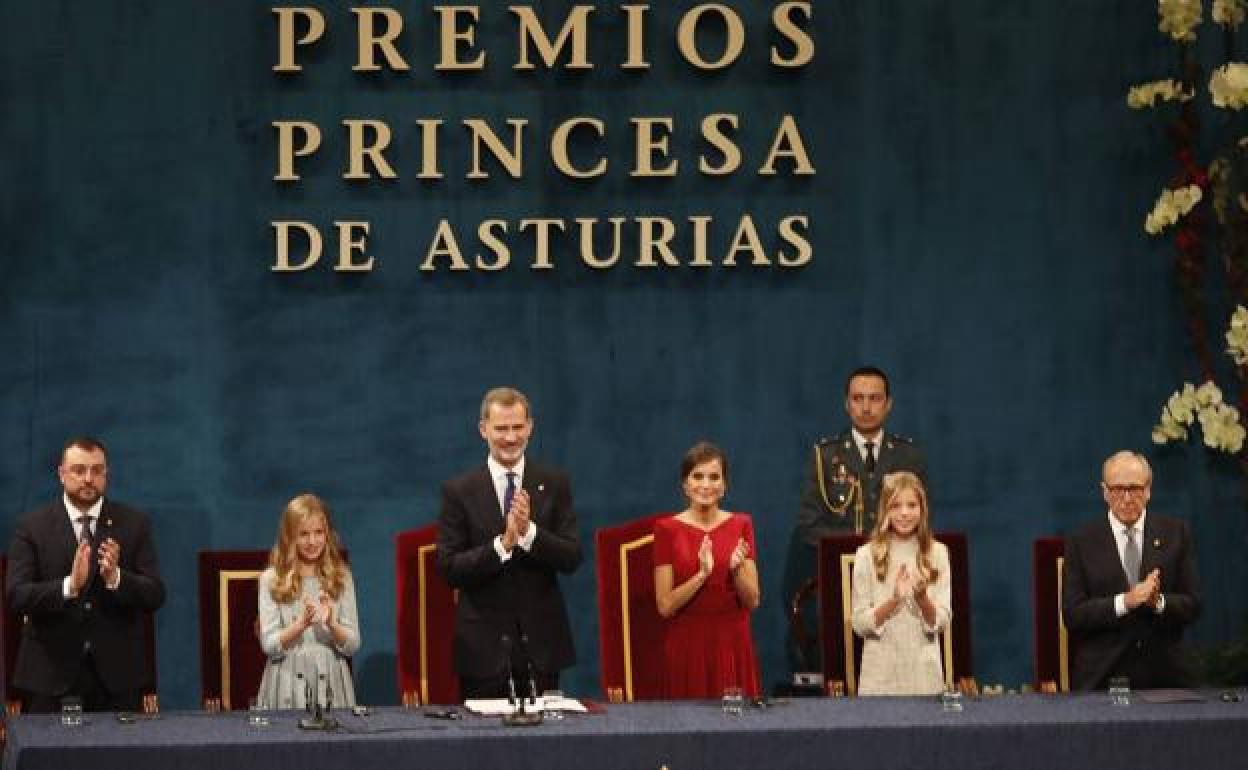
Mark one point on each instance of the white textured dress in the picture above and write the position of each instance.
(903, 655)
(314, 657)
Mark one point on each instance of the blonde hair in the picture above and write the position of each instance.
(284, 557)
(894, 484)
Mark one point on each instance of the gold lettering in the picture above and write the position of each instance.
(512, 162)
(588, 254)
(559, 148)
(700, 225)
(349, 243)
(789, 231)
(636, 59)
(281, 261)
(429, 149)
(746, 239)
(541, 239)
(452, 36)
(358, 151)
(687, 36)
(788, 144)
(803, 46)
(286, 35)
(369, 42)
(502, 254)
(575, 27)
(649, 243)
(715, 136)
(444, 245)
(286, 152)
(647, 146)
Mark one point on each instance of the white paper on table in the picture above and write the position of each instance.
(494, 707)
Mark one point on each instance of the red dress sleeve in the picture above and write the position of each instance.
(662, 543)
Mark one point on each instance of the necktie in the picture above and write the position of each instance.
(84, 529)
(870, 463)
(1131, 557)
(510, 493)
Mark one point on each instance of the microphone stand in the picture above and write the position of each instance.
(319, 719)
(520, 717)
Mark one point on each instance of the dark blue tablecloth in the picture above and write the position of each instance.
(1029, 731)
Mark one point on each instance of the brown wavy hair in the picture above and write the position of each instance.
(894, 484)
(332, 570)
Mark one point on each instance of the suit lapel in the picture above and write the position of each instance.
(487, 506)
(1108, 542)
(535, 483)
(1150, 546)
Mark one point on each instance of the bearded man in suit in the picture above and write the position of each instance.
(82, 573)
(1129, 586)
(506, 530)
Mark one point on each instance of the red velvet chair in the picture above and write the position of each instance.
(842, 648)
(1053, 646)
(425, 619)
(230, 659)
(630, 631)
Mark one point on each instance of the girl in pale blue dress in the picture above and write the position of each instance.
(308, 621)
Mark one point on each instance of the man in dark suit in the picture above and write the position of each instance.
(1129, 586)
(506, 529)
(841, 492)
(82, 571)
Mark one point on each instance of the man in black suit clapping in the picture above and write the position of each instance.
(82, 571)
(505, 531)
(1129, 586)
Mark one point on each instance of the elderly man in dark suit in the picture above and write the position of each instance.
(82, 571)
(842, 488)
(506, 529)
(1129, 586)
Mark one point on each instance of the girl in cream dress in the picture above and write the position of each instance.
(901, 595)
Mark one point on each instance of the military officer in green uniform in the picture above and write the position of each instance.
(841, 492)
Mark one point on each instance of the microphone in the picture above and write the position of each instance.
(511, 675)
(528, 662)
(520, 717)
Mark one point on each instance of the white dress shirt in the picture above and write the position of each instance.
(1120, 539)
(498, 474)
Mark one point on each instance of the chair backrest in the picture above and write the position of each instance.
(230, 659)
(842, 648)
(1053, 646)
(630, 630)
(425, 620)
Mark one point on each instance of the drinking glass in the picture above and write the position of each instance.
(1120, 691)
(71, 711)
(733, 701)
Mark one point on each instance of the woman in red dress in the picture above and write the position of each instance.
(706, 584)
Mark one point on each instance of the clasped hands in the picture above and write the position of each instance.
(318, 613)
(517, 520)
(109, 562)
(1147, 591)
(706, 559)
(909, 585)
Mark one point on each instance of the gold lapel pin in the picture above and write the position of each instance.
(1156, 542)
(541, 487)
(108, 522)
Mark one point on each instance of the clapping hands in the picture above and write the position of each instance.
(739, 555)
(1147, 591)
(909, 584)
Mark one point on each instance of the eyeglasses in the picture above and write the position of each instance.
(82, 471)
(1125, 489)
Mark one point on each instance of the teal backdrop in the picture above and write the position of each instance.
(976, 221)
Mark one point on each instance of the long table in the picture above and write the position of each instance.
(1025, 731)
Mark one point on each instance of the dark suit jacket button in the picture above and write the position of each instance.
(1139, 644)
